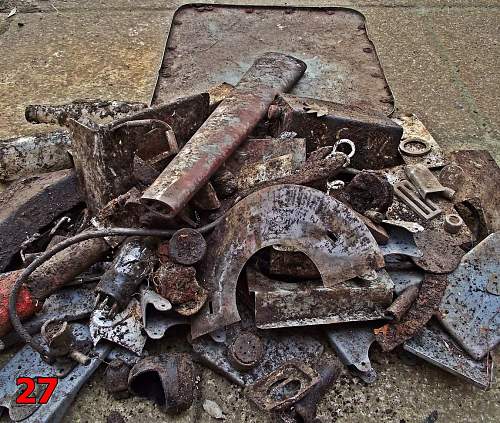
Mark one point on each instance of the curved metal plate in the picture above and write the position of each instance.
(328, 232)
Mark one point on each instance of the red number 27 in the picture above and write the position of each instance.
(25, 398)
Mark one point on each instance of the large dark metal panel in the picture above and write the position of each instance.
(211, 44)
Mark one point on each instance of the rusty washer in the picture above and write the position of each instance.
(246, 351)
(414, 147)
(452, 223)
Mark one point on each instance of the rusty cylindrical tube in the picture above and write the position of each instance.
(167, 379)
(221, 134)
(65, 266)
(402, 304)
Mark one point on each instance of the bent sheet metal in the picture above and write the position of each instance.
(331, 235)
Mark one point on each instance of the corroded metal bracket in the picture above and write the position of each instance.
(328, 232)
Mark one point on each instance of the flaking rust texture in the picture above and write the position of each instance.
(280, 304)
(425, 306)
(480, 171)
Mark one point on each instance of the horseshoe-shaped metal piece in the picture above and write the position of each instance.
(328, 232)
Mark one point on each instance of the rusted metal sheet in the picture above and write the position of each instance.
(124, 329)
(221, 134)
(31, 204)
(476, 191)
(104, 171)
(280, 346)
(374, 135)
(425, 306)
(417, 144)
(167, 379)
(470, 308)
(337, 242)
(315, 172)
(157, 314)
(25, 156)
(281, 304)
(185, 115)
(260, 160)
(435, 346)
(333, 41)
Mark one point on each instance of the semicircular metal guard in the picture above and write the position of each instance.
(328, 232)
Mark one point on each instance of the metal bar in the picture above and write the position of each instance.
(220, 135)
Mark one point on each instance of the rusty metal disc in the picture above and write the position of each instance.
(246, 351)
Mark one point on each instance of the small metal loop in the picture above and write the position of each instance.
(347, 142)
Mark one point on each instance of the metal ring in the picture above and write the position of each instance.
(345, 141)
(410, 152)
(452, 223)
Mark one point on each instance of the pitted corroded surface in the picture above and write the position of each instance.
(337, 242)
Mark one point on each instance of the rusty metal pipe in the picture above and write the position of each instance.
(221, 134)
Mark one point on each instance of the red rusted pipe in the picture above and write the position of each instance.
(26, 303)
(221, 134)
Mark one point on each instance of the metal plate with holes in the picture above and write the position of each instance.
(279, 346)
(327, 231)
(352, 343)
(342, 64)
(124, 329)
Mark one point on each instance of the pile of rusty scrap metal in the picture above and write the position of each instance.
(241, 213)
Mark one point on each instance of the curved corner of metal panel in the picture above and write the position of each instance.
(328, 232)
